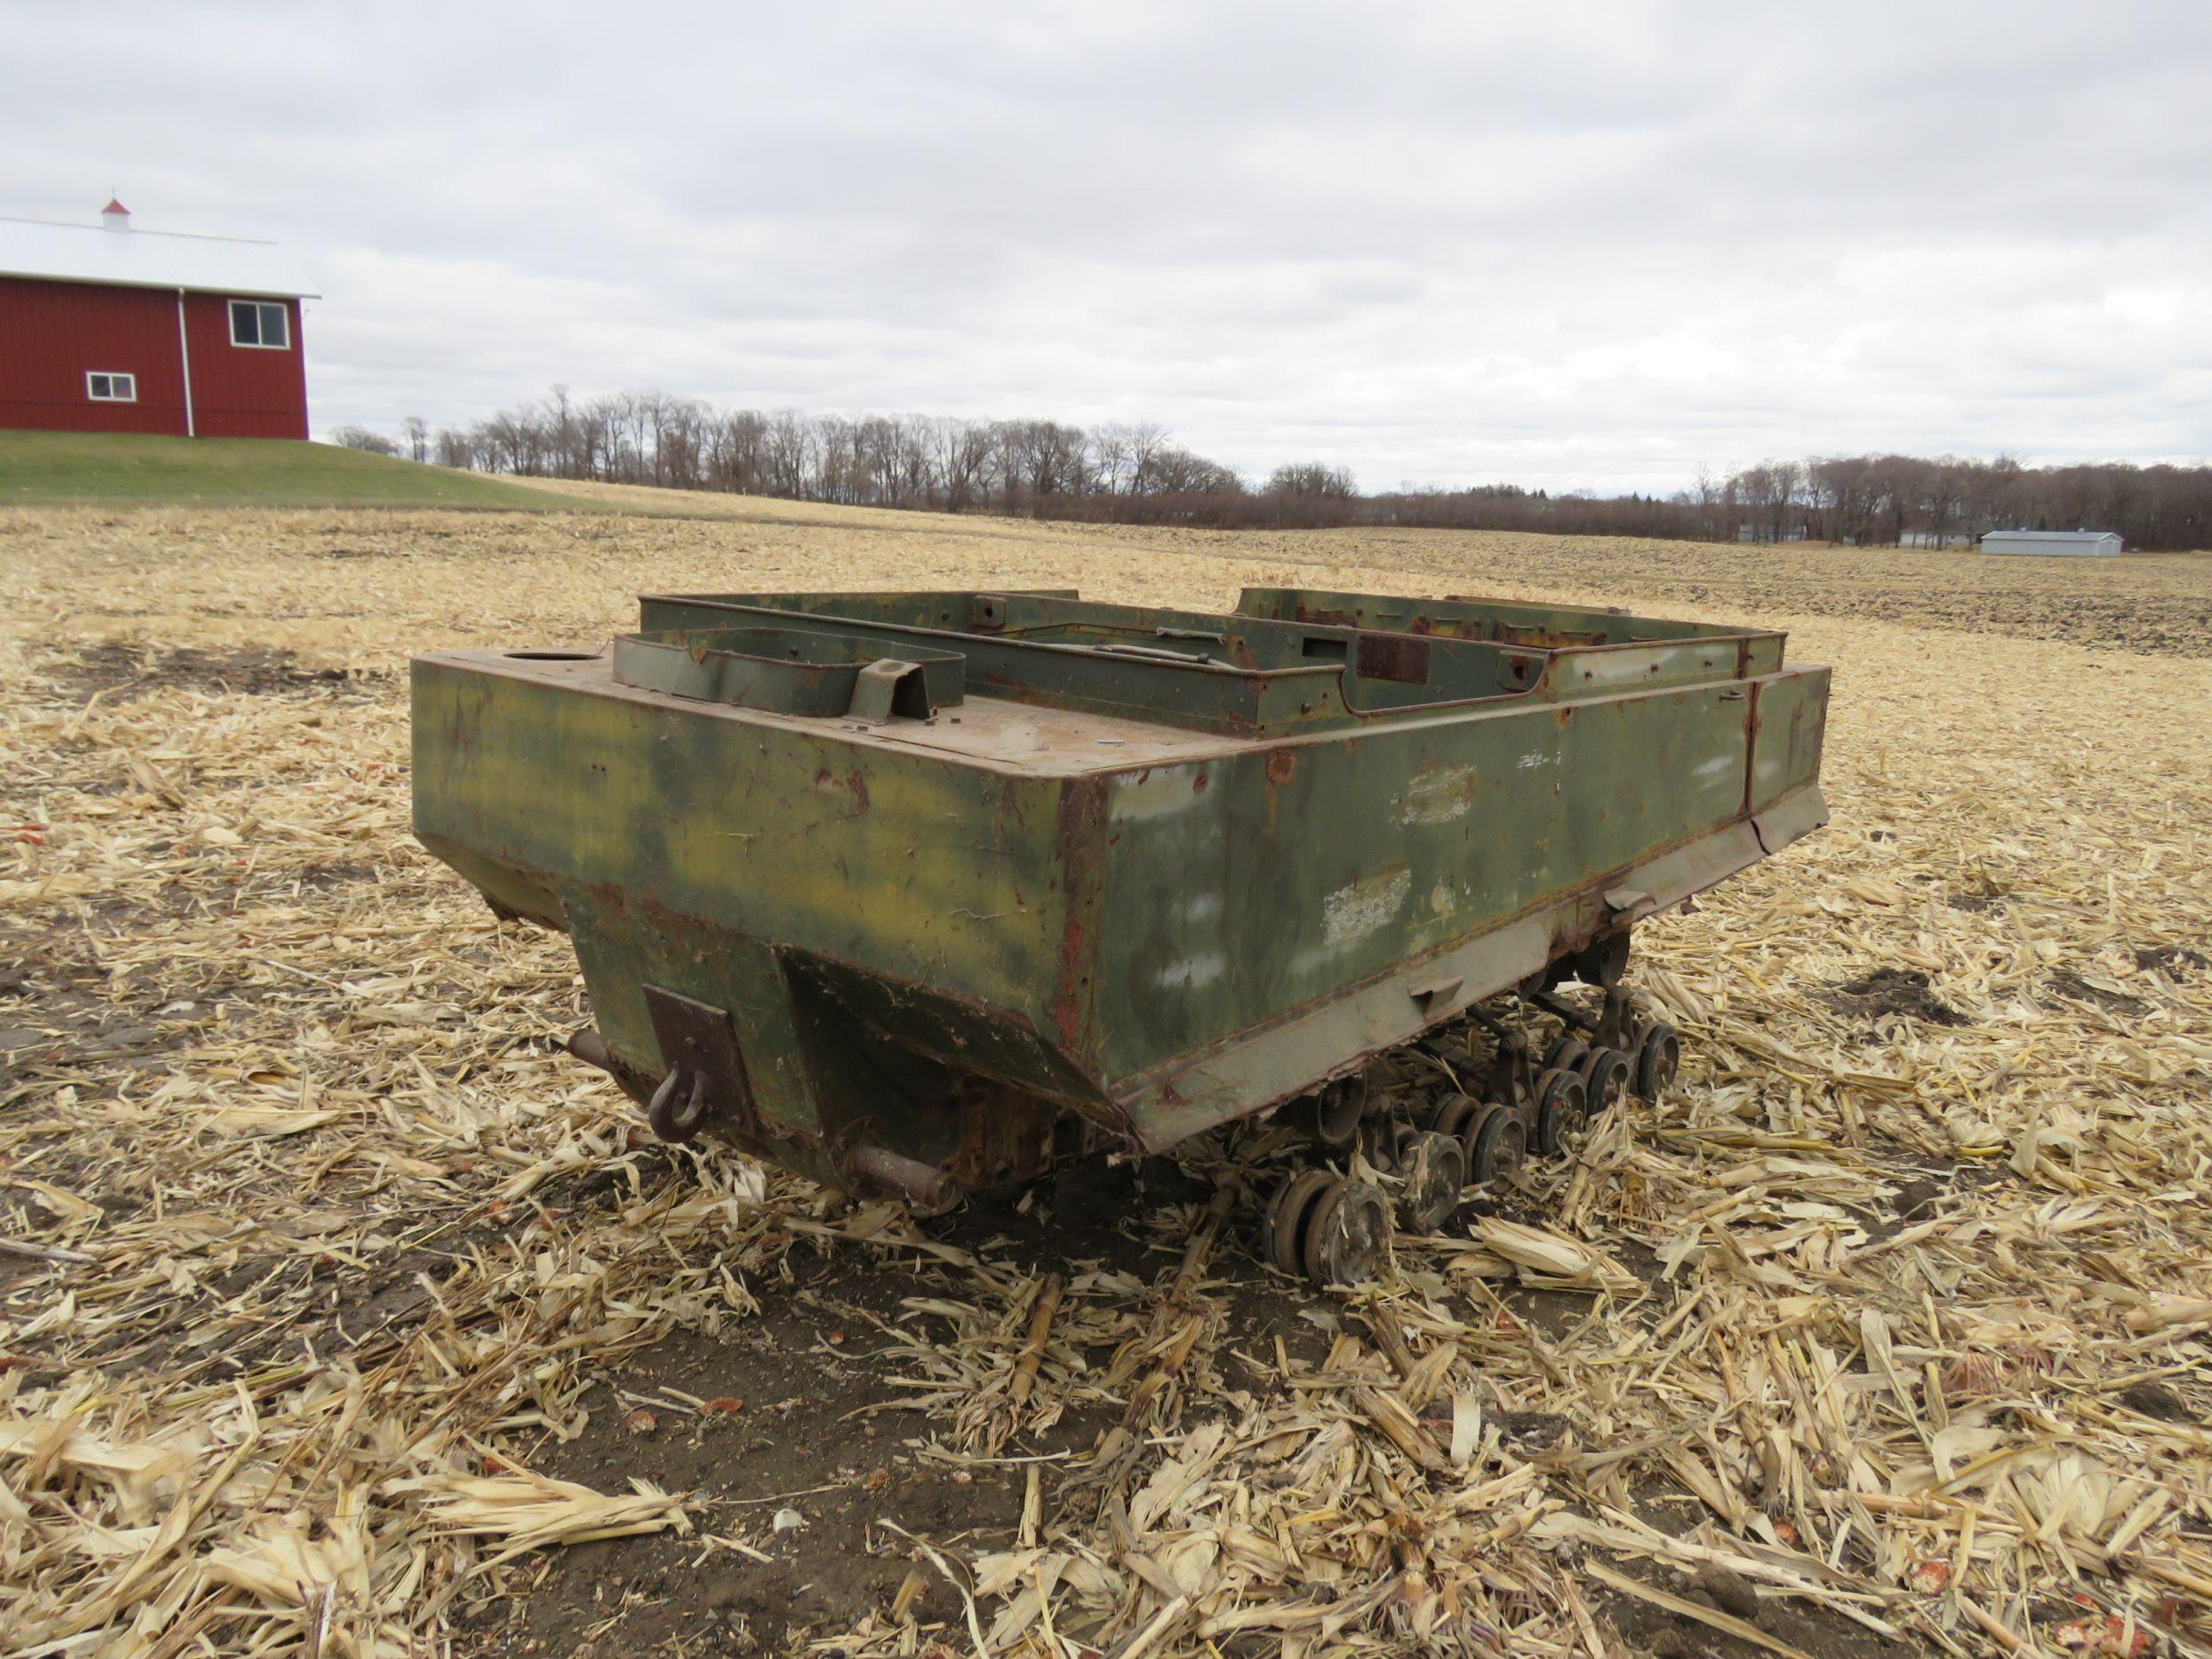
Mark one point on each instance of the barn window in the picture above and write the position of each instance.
(112, 388)
(258, 323)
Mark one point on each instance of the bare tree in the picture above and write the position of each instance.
(1136, 472)
(1315, 479)
(454, 447)
(362, 438)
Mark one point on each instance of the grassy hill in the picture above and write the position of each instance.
(49, 468)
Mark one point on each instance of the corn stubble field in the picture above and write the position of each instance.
(344, 1315)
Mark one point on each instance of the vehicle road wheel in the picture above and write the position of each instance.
(1495, 1149)
(1561, 1104)
(1658, 1058)
(1346, 1235)
(1566, 1054)
(1605, 1078)
(1282, 1234)
(1455, 1116)
(1434, 1169)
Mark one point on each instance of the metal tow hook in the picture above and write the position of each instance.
(677, 1122)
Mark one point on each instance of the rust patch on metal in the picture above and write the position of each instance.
(1082, 820)
(1067, 1008)
(1400, 658)
(1751, 723)
(1282, 765)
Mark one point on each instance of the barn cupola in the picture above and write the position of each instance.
(115, 216)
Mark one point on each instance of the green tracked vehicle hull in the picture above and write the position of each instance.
(925, 889)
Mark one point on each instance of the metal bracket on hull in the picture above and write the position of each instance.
(887, 687)
(1613, 1028)
(706, 1071)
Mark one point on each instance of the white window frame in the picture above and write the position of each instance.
(114, 377)
(261, 308)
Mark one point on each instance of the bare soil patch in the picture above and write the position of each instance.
(1903, 991)
(114, 668)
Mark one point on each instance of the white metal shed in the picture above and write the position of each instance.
(2072, 543)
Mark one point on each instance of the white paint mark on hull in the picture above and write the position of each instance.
(1190, 972)
(1371, 902)
(1163, 791)
(1441, 796)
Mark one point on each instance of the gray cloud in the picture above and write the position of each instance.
(1594, 245)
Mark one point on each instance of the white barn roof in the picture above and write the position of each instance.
(148, 259)
(2090, 542)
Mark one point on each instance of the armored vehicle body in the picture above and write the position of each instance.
(926, 890)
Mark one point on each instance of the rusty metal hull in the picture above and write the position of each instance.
(1057, 871)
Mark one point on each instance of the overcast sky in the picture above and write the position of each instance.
(1571, 246)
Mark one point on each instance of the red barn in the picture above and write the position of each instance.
(111, 329)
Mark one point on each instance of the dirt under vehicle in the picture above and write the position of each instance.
(927, 890)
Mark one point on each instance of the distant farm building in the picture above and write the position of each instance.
(104, 328)
(2076, 543)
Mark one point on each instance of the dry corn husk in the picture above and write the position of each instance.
(1550, 1260)
(530, 1511)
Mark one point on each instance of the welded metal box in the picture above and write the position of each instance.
(922, 886)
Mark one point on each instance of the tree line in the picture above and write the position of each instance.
(1136, 472)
